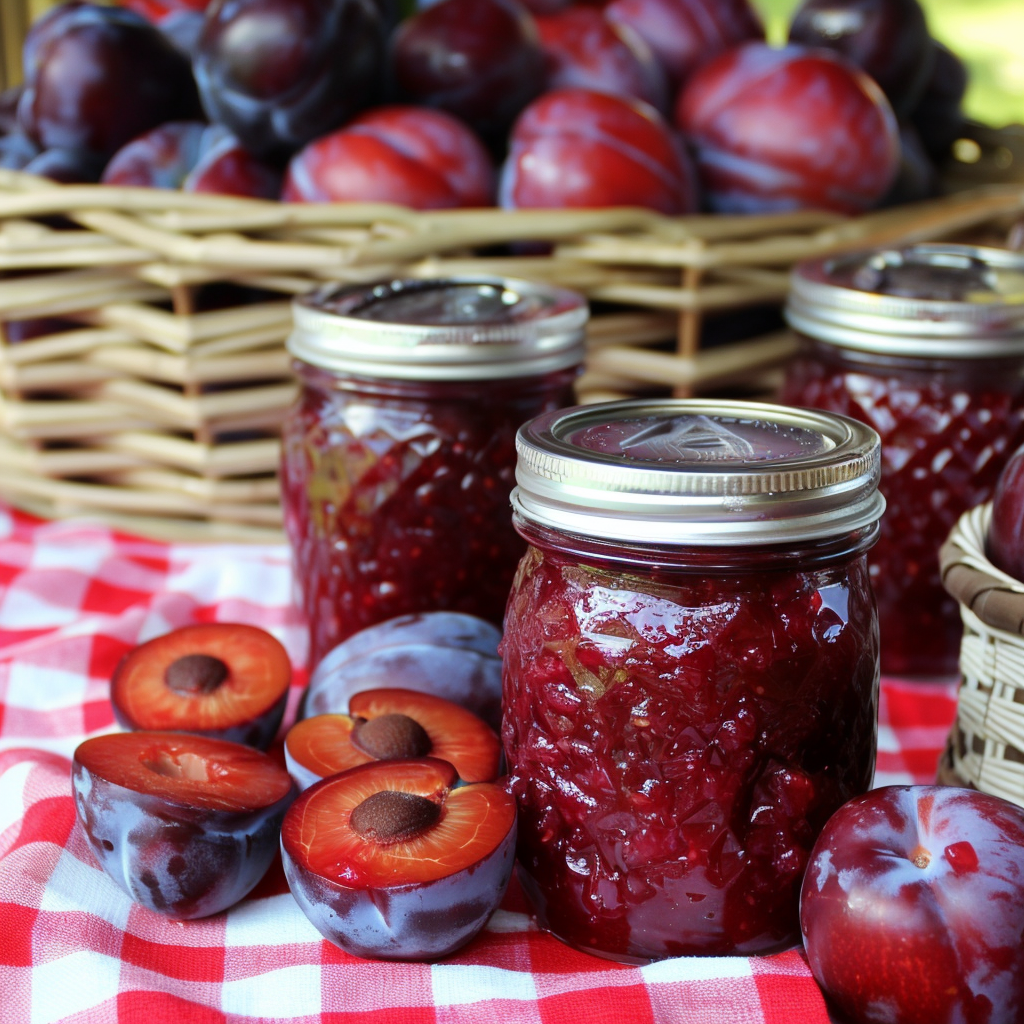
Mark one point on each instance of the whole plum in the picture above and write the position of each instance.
(686, 33)
(1006, 531)
(480, 60)
(279, 73)
(886, 38)
(912, 908)
(96, 77)
(68, 166)
(786, 129)
(579, 148)
(938, 116)
(586, 51)
(422, 158)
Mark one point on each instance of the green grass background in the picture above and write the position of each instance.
(988, 35)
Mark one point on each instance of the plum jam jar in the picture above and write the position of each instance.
(398, 453)
(926, 345)
(690, 671)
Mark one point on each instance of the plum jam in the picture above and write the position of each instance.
(398, 454)
(925, 345)
(690, 667)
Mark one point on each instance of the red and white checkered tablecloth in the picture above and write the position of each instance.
(73, 598)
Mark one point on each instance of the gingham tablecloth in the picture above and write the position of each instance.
(73, 598)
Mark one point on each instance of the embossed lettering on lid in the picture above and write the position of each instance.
(698, 471)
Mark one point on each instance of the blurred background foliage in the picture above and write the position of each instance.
(987, 35)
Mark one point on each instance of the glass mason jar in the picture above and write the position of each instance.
(925, 345)
(690, 667)
(398, 454)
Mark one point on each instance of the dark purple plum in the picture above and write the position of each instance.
(280, 73)
(917, 178)
(786, 129)
(388, 860)
(687, 33)
(580, 148)
(938, 116)
(586, 51)
(912, 908)
(888, 39)
(195, 156)
(464, 677)
(68, 166)
(96, 77)
(185, 825)
(439, 629)
(480, 60)
(421, 158)
(16, 150)
(1006, 531)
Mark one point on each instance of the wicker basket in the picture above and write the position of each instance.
(155, 399)
(986, 745)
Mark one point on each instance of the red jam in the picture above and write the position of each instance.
(947, 430)
(676, 742)
(681, 720)
(396, 496)
(398, 455)
(925, 345)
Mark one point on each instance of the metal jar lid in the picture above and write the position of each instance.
(931, 301)
(698, 472)
(460, 328)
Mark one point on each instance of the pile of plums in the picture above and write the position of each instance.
(675, 105)
(401, 842)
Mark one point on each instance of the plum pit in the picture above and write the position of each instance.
(393, 735)
(195, 674)
(390, 816)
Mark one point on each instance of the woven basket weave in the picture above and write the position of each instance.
(158, 409)
(986, 745)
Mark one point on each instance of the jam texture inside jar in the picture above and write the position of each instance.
(926, 345)
(399, 452)
(690, 667)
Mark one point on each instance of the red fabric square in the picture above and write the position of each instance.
(187, 962)
(164, 1008)
(16, 934)
(598, 1006)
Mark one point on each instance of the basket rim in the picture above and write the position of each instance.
(968, 575)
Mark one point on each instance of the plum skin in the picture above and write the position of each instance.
(180, 861)
(790, 128)
(581, 148)
(1006, 531)
(931, 940)
(421, 921)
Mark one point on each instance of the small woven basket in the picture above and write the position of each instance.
(986, 744)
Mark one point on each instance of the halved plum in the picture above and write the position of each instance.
(185, 825)
(450, 655)
(225, 680)
(388, 724)
(388, 860)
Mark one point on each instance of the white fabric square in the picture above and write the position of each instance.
(274, 921)
(95, 981)
(74, 885)
(288, 992)
(22, 608)
(12, 794)
(458, 984)
(696, 968)
(85, 558)
(41, 688)
(216, 580)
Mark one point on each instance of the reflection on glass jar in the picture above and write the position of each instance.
(399, 452)
(926, 345)
(691, 667)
